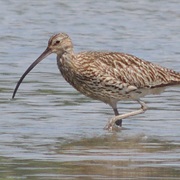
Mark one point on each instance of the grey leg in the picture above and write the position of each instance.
(112, 121)
(119, 121)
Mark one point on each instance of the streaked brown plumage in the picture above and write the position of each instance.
(107, 76)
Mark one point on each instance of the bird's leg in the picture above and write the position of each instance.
(119, 121)
(112, 121)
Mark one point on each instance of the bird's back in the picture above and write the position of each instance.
(127, 69)
(112, 75)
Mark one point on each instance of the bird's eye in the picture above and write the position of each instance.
(57, 42)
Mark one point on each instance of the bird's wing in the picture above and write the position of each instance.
(134, 71)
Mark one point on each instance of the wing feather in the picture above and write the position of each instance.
(134, 71)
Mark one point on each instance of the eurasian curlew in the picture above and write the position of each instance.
(107, 76)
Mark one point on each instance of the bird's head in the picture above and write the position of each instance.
(59, 44)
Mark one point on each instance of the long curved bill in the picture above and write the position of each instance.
(39, 59)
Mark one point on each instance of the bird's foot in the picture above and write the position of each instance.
(113, 125)
(118, 122)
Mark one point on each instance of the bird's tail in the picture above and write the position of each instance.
(174, 77)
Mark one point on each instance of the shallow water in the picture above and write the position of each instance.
(50, 131)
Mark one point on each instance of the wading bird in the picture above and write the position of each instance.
(107, 76)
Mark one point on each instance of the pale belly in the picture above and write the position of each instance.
(106, 94)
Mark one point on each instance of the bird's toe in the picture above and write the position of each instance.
(119, 122)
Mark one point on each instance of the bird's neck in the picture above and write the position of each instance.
(65, 61)
(65, 58)
(67, 67)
